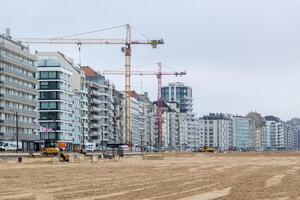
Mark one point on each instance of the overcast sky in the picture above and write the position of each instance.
(240, 55)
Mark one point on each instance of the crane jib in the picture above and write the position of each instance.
(84, 41)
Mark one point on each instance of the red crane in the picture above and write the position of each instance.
(159, 73)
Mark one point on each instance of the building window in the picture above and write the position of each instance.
(49, 95)
(49, 106)
(49, 75)
(49, 85)
(48, 116)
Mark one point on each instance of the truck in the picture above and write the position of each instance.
(10, 146)
(89, 146)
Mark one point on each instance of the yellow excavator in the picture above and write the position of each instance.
(206, 149)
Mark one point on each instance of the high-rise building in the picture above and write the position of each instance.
(137, 127)
(118, 98)
(242, 131)
(101, 108)
(179, 93)
(216, 131)
(182, 95)
(170, 126)
(61, 100)
(149, 119)
(18, 93)
(193, 130)
(293, 135)
(274, 130)
(257, 137)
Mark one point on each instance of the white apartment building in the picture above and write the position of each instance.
(242, 133)
(100, 108)
(149, 120)
(274, 130)
(18, 93)
(216, 131)
(257, 137)
(193, 131)
(170, 127)
(60, 85)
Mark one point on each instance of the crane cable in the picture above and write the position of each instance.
(142, 34)
(89, 32)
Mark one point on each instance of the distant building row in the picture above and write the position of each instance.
(252, 132)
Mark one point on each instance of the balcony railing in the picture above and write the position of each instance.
(95, 109)
(18, 74)
(19, 63)
(32, 102)
(18, 86)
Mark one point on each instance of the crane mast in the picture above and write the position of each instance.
(159, 73)
(127, 42)
(159, 107)
(128, 86)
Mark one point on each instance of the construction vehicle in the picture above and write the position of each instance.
(51, 149)
(64, 157)
(51, 152)
(206, 149)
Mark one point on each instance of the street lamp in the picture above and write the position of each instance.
(82, 126)
(17, 128)
(102, 138)
(142, 147)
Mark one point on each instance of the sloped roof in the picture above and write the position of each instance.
(88, 71)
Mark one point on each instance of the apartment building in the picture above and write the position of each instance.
(193, 130)
(274, 130)
(119, 109)
(100, 107)
(216, 131)
(257, 137)
(242, 131)
(136, 112)
(170, 127)
(149, 120)
(179, 93)
(183, 131)
(294, 135)
(61, 88)
(18, 93)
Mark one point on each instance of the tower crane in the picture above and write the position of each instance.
(159, 73)
(126, 49)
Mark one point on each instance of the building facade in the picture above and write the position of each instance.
(242, 131)
(257, 137)
(216, 131)
(179, 93)
(101, 108)
(18, 93)
(61, 89)
(293, 134)
(274, 133)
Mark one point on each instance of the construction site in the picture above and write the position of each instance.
(132, 100)
(178, 176)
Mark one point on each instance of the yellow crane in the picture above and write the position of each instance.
(126, 49)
